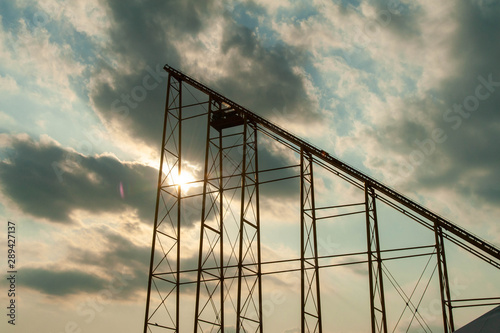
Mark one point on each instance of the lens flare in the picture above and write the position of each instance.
(122, 192)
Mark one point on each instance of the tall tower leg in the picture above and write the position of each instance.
(249, 302)
(310, 290)
(377, 298)
(444, 285)
(162, 307)
(209, 315)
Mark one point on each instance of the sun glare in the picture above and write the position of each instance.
(185, 180)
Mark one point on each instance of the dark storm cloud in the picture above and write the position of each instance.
(60, 283)
(118, 250)
(125, 259)
(125, 265)
(148, 35)
(474, 134)
(399, 18)
(47, 181)
(142, 35)
(262, 78)
(468, 115)
(120, 256)
(257, 76)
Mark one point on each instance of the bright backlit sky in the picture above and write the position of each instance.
(407, 91)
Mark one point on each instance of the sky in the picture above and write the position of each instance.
(406, 91)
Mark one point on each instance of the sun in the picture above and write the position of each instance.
(185, 180)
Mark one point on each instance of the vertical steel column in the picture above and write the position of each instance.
(444, 286)
(179, 195)
(310, 287)
(163, 281)
(153, 241)
(210, 275)
(377, 298)
(221, 213)
(259, 255)
(249, 302)
(241, 233)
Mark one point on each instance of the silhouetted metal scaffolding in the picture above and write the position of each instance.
(220, 278)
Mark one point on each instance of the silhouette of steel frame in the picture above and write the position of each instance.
(246, 265)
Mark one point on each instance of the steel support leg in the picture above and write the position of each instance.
(377, 298)
(162, 305)
(310, 288)
(249, 302)
(444, 286)
(209, 308)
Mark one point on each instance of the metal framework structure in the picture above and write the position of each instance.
(220, 277)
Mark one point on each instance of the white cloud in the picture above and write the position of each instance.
(88, 17)
(32, 56)
(202, 53)
(273, 6)
(392, 61)
(6, 120)
(8, 84)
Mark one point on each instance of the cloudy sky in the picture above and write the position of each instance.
(407, 91)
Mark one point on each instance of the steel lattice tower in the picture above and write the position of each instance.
(216, 283)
